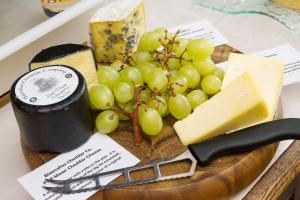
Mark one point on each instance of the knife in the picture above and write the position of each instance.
(202, 153)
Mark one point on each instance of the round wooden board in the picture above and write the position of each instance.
(219, 180)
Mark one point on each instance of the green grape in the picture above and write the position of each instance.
(150, 121)
(173, 64)
(128, 107)
(179, 84)
(107, 121)
(161, 32)
(166, 98)
(141, 109)
(200, 48)
(159, 104)
(157, 79)
(191, 74)
(204, 67)
(108, 76)
(146, 69)
(118, 65)
(173, 73)
(196, 97)
(123, 92)
(211, 84)
(89, 92)
(144, 95)
(132, 76)
(101, 97)
(219, 72)
(187, 59)
(179, 106)
(140, 57)
(149, 41)
(179, 48)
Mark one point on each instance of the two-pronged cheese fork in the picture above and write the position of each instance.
(204, 152)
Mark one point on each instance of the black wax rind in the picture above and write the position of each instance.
(59, 127)
(58, 51)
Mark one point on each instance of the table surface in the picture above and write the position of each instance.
(248, 33)
(18, 16)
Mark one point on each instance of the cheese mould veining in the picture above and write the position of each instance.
(116, 29)
(249, 95)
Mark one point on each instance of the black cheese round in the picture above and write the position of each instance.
(51, 105)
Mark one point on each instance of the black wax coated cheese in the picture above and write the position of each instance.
(58, 51)
(58, 127)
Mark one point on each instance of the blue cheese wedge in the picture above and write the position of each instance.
(116, 29)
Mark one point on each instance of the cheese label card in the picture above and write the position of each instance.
(200, 29)
(288, 55)
(290, 58)
(99, 154)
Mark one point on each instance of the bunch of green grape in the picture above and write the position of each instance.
(174, 76)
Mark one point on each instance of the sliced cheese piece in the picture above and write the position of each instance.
(238, 104)
(116, 29)
(77, 56)
(267, 73)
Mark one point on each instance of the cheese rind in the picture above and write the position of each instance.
(113, 35)
(266, 72)
(238, 104)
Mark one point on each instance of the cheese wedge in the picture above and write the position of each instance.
(266, 72)
(77, 56)
(237, 105)
(116, 29)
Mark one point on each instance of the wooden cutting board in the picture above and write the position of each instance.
(219, 180)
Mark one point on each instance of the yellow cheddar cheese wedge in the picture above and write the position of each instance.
(266, 72)
(78, 56)
(238, 104)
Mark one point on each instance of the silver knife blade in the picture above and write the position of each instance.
(65, 186)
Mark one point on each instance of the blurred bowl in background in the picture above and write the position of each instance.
(52, 7)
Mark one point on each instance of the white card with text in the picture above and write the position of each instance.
(288, 55)
(291, 59)
(99, 154)
(200, 29)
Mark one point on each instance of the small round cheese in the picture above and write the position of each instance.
(52, 109)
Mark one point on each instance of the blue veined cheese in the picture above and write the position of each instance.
(116, 29)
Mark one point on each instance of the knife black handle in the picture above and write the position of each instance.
(246, 139)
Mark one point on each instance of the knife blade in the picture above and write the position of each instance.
(201, 153)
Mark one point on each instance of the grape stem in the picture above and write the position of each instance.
(134, 116)
(119, 109)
